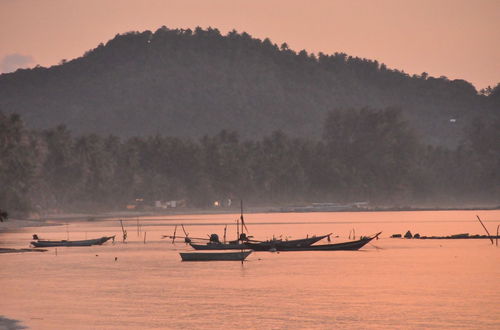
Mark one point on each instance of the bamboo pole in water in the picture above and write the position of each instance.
(173, 237)
(498, 227)
(238, 229)
(487, 232)
(124, 232)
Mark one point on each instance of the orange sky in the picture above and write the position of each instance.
(454, 38)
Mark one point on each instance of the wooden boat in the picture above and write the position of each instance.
(215, 256)
(349, 246)
(87, 242)
(243, 241)
(213, 242)
(257, 245)
(278, 244)
(219, 246)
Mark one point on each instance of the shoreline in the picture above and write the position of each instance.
(57, 219)
(12, 250)
(12, 225)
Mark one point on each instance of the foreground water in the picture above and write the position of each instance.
(390, 283)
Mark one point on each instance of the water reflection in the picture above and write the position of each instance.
(391, 283)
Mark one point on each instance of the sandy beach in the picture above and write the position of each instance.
(16, 224)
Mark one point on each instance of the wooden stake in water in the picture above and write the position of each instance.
(173, 237)
(124, 232)
(498, 227)
(238, 229)
(145, 237)
(487, 232)
(243, 225)
(186, 234)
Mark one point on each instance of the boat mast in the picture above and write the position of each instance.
(241, 215)
(243, 225)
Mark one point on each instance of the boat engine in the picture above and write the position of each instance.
(214, 238)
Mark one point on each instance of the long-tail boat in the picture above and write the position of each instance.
(243, 241)
(87, 242)
(215, 256)
(350, 245)
(213, 242)
(259, 245)
(219, 246)
(279, 244)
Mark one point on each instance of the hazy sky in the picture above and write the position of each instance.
(454, 38)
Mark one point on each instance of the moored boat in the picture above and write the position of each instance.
(219, 246)
(215, 256)
(278, 244)
(344, 246)
(87, 242)
(214, 242)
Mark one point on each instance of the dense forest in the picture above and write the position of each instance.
(187, 84)
(363, 154)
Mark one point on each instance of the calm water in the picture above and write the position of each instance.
(391, 283)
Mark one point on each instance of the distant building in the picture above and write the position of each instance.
(170, 204)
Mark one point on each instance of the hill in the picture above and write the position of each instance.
(190, 83)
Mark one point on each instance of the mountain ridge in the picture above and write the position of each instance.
(190, 83)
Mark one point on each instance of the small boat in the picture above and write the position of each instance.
(278, 244)
(214, 242)
(219, 246)
(344, 246)
(215, 256)
(87, 242)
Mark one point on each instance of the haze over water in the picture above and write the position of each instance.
(390, 283)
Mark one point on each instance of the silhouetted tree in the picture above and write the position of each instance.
(3, 215)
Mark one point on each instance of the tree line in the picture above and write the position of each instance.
(362, 155)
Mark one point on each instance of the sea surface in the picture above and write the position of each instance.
(143, 284)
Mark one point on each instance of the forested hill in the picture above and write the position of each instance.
(190, 83)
